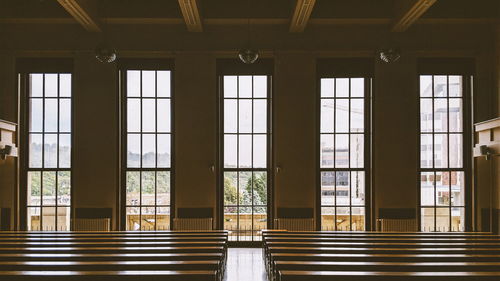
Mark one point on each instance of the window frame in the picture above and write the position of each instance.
(467, 141)
(324, 72)
(226, 67)
(26, 67)
(144, 65)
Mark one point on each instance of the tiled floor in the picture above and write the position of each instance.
(245, 264)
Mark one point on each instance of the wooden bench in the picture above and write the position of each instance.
(385, 256)
(113, 255)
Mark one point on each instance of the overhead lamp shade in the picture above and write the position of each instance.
(248, 56)
(390, 55)
(105, 54)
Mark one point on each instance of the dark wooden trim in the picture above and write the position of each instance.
(191, 213)
(295, 213)
(397, 213)
(93, 213)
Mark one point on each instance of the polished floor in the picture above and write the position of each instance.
(245, 264)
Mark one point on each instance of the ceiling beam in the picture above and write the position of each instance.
(408, 12)
(301, 15)
(191, 13)
(83, 12)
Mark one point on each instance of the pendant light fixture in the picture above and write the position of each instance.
(104, 52)
(390, 55)
(248, 55)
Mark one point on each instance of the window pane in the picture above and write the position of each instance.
(427, 189)
(133, 115)
(357, 150)
(342, 184)
(133, 188)
(357, 87)
(427, 219)
(50, 151)
(260, 188)
(245, 116)
(327, 87)
(36, 85)
(327, 218)
(441, 151)
(426, 116)
(245, 188)
(133, 150)
(457, 188)
(455, 85)
(341, 115)
(456, 115)
(426, 86)
(164, 115)
(63, 218)
(230, 86)
(342, 87)
(164, 150)
(327, 155)
(148, 115)
(148, 151)
(358, 188)
(342, 151)
(245, 86)
(34, 189)
(260, 151)
(358, 219)
(327, 188)
(357, 115)
(163, 83)
(148, 221)
(163, 188)
(65, 85)
(440, 86)
(260, 116)
(457, 219)
(148, 188)
(245, 151)
(65, 115)
(456, 153)
(148, 83)
(163, 218)
(36, 115)
(230, 188)
(440, 115)
(442, 188)
(49, 188)
(230, 116)
(230, 151)
(133, 83)
(35, 153)
(51, 81)
(64, 151)
(426, 151)
(33, 220)
(260, 86)
(133, 218)
(51, 115)
(343, 221)
(443, 219)
(327, 115)
(64, 188)
(48, 218)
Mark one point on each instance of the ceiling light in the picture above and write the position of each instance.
(248, 56)
(105, 54)
(390, 55)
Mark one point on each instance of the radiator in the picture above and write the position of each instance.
(193, 224)
(92, 224)
(295, 224)
(395, 225)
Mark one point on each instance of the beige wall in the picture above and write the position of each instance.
(395, 110)
(195, 130)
